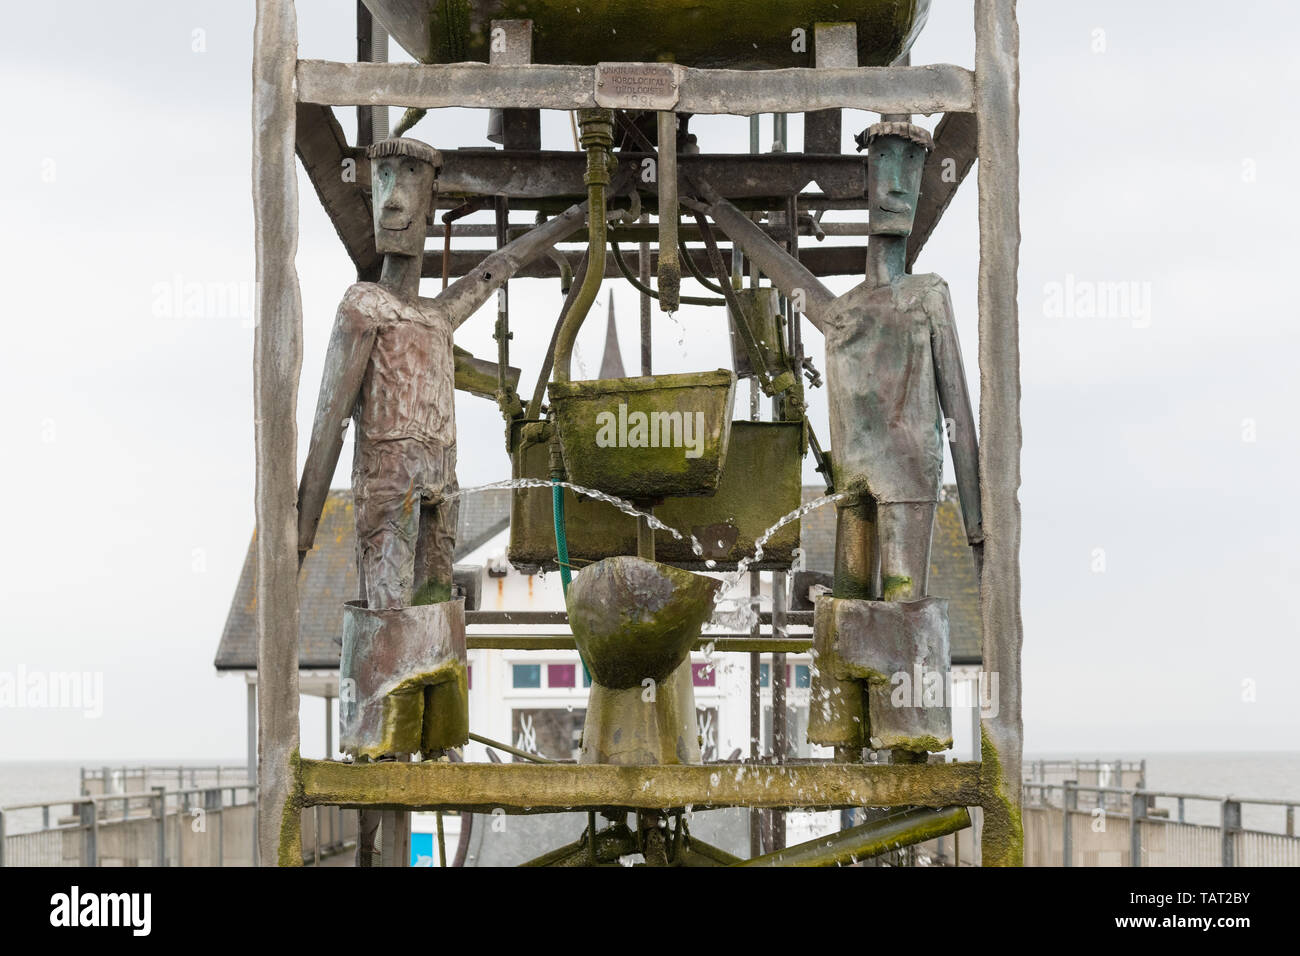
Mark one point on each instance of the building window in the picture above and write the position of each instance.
(548, 732)
(703, 675)
(527, 675)
(560, 675)
(802, 676)
(764, 674)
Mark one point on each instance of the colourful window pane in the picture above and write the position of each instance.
(703, 675)
(560, 675)
(802, 675)
(764, 675)
(527, 675)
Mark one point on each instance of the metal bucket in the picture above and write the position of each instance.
(726, 524)
(732, 34)
(646, 438)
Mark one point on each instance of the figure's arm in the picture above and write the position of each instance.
(345, 367)
(959, 419)
(463, 297)
(786, 272)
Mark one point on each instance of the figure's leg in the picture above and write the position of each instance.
(855, 550)
(387, 528)
(435, 550)
(905, 531)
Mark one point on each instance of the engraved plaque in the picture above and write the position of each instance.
(637, 86)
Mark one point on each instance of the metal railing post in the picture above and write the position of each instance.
(1182, 806)
(89, 833)
(158, 803)
(1231, 822)
(2, 839)
(1137, 812)
(1069, 801)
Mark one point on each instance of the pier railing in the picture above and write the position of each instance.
(125, 779)
(193, 826)
(1073, 824)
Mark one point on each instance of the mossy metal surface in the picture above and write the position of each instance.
(866, 840)
(1002, 842)
(727, 524)
(647, 437)
(634, 620)
(544, 788)
(290, 848)
(740, 34)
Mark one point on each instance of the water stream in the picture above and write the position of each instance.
(734, 614)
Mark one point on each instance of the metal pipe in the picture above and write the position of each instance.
(598, 139)
(648, 292)
(670, 267)
(489, 742)
(907, 828)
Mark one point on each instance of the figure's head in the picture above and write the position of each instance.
(402, 176)
(896, 154)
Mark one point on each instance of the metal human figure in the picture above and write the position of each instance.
(390, 369)
(896, 388)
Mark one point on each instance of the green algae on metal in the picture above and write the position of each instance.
(290, 849)
(1003, 837)
(423, 713)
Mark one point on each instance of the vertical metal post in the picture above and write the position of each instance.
(1290, 821)
(780, 730)
(1069, 801)
(670, 266)
(329, 726)
(997, 46)
(158, 806)
(365, 35)
(251, 729)
(643, 271)
(1137, 813)
(89, 833)
(1231, 824)
(45, 816)
(316, 841)
(277, 363)
(1181, 807)
(2, 839)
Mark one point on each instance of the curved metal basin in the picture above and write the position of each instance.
(632, 618)
(735, 34)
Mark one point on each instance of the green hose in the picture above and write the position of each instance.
(562, 555)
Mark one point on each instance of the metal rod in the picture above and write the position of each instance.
(908, 828)
(670, 267)
(489, 742)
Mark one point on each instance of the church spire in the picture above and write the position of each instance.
(611, 363)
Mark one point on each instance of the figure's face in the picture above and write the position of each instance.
(894, 166)
(401, 192)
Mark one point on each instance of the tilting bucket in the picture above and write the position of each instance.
(736, 34)
(727, 524)
(651, 437)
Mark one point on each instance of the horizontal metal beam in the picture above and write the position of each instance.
(546, 788)
(562, 617)
(820, 261)
(938, 88)
(722, 643)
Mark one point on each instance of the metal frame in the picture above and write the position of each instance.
(281, 82)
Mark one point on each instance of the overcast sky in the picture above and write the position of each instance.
(1159, 553)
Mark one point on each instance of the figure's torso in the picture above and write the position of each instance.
(885, 420)
(409, 387)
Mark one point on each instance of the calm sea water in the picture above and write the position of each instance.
(1274, 775)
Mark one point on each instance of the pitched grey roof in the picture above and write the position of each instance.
(329, 576)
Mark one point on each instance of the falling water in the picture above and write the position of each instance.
(745, 614)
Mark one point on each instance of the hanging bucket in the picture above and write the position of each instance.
(646, 438)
